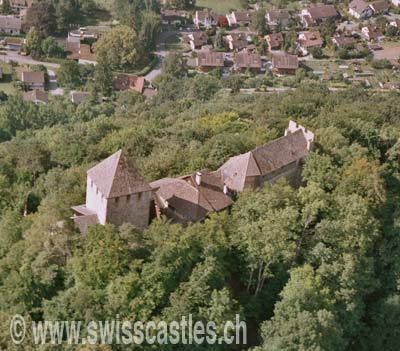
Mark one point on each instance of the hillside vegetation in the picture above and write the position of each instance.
(314, 268)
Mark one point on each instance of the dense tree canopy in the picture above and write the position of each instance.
(309, 268)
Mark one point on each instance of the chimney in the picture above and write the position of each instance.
(198, 178)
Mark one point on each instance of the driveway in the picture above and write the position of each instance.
(53, 86)
(25, 60)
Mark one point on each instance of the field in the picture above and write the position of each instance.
(220, 6)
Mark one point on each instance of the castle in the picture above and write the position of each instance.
(116, 192)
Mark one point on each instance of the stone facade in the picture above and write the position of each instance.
(117, 194)
(134, 209)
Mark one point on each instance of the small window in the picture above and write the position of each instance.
(128, 198)
(116, 200)
(139, 196)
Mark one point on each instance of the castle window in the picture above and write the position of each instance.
(139, 196)
(128, 198)
(116, 200)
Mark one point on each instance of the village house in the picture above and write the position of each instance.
(77, 97)
(277, 18)
(196, 40)
(238, 18)
(317, 14)
(205, 18)
(238, 41)
(10, 25)
(247, 61)
(174, 17)
(209, 60)
(343, 40)
(371, 33)
(116, 192)
(283, 64)
(81, 53)
(38, 97)
(18, 5)
(274, 41)
(33, 80)
(379, 7)
(360, 9)
(82, 33)
(125, 82)
(308, 40)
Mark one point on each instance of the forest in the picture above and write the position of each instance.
(312, 268)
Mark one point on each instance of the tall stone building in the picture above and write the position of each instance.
(115, 193)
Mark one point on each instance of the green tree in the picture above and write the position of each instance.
(258, 22)
(50, 48)
(174, 65)
(33, 42)
(42, 15)
(68, 74)
(104, 78)
(150, 29)
(120, 48)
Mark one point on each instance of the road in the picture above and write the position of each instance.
(25, 60)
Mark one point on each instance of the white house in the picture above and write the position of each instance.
(360, 9)
(10, 24)
(205, 18)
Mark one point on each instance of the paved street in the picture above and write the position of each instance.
(25, 60)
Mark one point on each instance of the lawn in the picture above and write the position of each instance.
(6, 84)
(173, 43)
(221, 7)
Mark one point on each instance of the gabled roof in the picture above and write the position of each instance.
(190, 200)
(281, 152)
(276, 15)
(10, 22)
(248, 60)
(79, 96)
(117, 176)
(129, 82)
(379, 6)
(32, 77)
(242, 16)
(285, 61)
(36, 96)
(264, 160)
(275, 39)
(237, 169)
(358, 6)
(310, 39)
(206, 15)
(210, 59)
(322, 11)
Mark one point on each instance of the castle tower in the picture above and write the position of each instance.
(294, 127)
(116, 193)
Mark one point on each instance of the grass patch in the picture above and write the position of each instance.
(173, 43)
(6, 83)
(222, 7)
